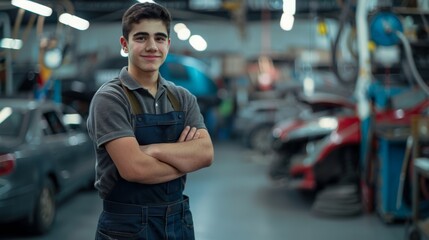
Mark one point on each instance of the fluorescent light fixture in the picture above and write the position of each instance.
(179, 26)
(286, 21)
(143, 1)
(11, 43)
(74, 21)
(289, 7)
(184, 34)
(33, 7)
(198, 42)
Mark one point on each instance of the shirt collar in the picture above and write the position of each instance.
(132, 84)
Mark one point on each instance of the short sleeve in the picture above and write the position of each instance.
(109, 117)
(191, 108)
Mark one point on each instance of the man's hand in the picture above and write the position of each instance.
(183, 155)
(188, 134)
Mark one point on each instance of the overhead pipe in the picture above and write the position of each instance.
(365, 74)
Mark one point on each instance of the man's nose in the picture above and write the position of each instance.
(151, 45)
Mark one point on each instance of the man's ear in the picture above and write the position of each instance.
(124, 44)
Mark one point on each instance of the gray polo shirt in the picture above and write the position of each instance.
(110, 118)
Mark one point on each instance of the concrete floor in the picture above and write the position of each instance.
(233, 200)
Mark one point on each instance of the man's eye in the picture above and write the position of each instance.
(161, 39)
(141, 38)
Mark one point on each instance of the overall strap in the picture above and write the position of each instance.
(136, 108)
(173, 100)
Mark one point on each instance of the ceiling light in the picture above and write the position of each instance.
(74, 21)
(198, 42)
(179, 26)
(11, 43)
(184, 34)
(286, 22)
(289, 7)
(33, 7)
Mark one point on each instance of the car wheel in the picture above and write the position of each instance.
(45, 209)
(260, 138)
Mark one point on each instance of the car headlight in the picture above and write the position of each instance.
(329, 123)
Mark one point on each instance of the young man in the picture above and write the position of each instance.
(148, 133)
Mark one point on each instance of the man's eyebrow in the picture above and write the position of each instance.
(159, 34)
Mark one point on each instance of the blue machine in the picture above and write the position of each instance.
(391, 147)
(391, 152)
(383, 27)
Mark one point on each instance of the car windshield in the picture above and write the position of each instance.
(11, 121)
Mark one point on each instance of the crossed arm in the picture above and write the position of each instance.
(157, 163)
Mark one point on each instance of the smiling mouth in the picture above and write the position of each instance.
(151, 57)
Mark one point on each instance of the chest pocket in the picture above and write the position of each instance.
(158, 128)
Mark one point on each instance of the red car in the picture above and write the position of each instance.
(316, 152)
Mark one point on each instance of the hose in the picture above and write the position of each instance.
(407, 157)
(411, 63)
(343, 18)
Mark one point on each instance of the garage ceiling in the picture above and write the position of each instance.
(182, 10)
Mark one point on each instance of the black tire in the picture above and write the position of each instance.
(45, 209)
(260, 138)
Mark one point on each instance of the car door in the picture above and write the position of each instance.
(56, 142)
(81, 146)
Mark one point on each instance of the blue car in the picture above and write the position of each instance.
(191, 74)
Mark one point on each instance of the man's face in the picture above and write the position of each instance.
(147, 46)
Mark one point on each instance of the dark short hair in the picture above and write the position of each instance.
(142, 11)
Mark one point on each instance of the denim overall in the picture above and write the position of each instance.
(149, 211)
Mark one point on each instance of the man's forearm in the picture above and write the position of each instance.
(185, 156)
(159, 172)
(136, 166)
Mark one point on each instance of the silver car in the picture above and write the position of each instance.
(45, 156)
